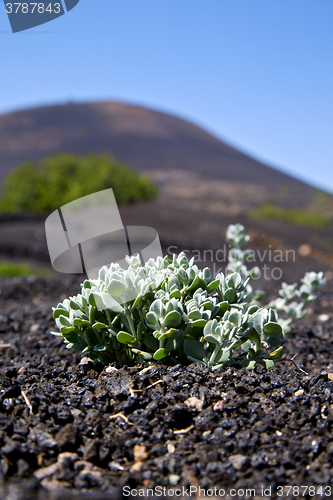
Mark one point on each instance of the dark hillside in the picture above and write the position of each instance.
(145, 139)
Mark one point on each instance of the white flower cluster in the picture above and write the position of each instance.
(173, 312)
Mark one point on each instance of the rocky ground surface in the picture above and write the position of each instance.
(72, 430)
(275, 244)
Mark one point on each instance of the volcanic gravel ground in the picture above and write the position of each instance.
(72, 430)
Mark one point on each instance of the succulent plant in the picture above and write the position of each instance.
(170, 311)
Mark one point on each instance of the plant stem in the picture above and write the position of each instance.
(98, 336)
(115, 346)
(131, 323)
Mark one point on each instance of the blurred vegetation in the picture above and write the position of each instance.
(9, 269)
(58, 179)
(300, 217)
(322, 198)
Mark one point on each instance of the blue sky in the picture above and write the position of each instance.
(257, 73)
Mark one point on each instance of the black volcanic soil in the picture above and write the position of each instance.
(71, 430)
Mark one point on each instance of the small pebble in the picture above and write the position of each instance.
(323, 412)
(137, 466)
(76, 412)
(173, 479)
(145, 370)
(238, 460)
(85, 361)
(46, 471)
(115, 466)
(206, 434)
(111, 369)
(218, 406)
(23, 369)
(140, 453)
(67, 457)
(54, 484)
(299, 393)
(194, 403)
(323, 317)
(305, 250)
(171, 448)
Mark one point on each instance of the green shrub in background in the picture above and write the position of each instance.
(10, 269)
(59, 179)
(305, 217)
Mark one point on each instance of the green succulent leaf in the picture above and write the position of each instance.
(60, 311)
(274, 341)
(90, 337)
(99, 326)
(173, 318)
(212, 339)
(234, 281)
(151, 318)
(81, 322)
(57, 334)
(151, 342)
(230, 295)
(67, 329)
(125, 338)
(253, 309)
(235, 317)
(213, 286)
(158, 308)
(198, 323)
(74, 305)
(110, 303)
(194, 349)
(269, 363)
(138, 300)
(74, 347)
(92, 314)
(160, 354)
(116, 288)
(224, 306)
(145, 355)
(276, 354)
(250, 364)
(254, 336)
(175, 341)
(100, 348)
(64, 320)
(171, 333)
(175, 294)
(273, 329)
(258, 322)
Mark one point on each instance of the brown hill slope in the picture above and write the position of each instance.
(148, 140)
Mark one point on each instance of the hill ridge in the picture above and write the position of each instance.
(146, 139)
